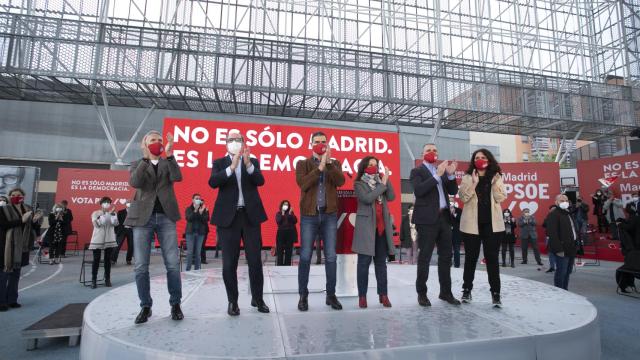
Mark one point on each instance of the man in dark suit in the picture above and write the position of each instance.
(432, 217)
(123, 233)
(633, 206)
(238, 213)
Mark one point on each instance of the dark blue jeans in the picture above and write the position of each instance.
(142, 241)
(564, 267)
(310, 226)
(194, 246)
(380, 263)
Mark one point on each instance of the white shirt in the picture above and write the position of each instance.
(238, 171)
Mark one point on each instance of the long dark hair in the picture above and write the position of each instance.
(282, 203)
(363, 165)
(493, 167)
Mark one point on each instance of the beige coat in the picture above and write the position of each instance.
(469, 218)
(104, 235)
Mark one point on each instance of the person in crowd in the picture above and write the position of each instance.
(630, 241)
(598, 200)
(55, 236)
(528, 236)
(614, 210)
(581, 215)
(509, 238)
(238, 213)
(552, 256)
(154, 210)
(432, 184)
(456, 238)
(103, 238)
(318, 177)
(482, 222)
(287, 234)
(373, 232)
(67, 215)
(123, 233)
(633, 206)
(197, 216)
(406, 240)
(203, 249)
(562, 240)
(18, 224)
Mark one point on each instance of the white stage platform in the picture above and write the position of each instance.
(537, 322)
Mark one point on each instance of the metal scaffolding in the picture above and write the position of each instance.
(531, 67)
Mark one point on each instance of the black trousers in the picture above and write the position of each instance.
(429, 236)
(490, 244)
(508, 242)
(9, 286)
(96, 263)
(524, 243)
(203, 254)
(230, 237)
(380, 265)
(284, 246)
(127, 235)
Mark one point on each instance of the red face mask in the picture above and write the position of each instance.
(431, 157)
(15, 200)
(156, 148)
(371, 170)
(320, 149)
(481, 164)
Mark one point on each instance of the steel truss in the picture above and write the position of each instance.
(518, 67)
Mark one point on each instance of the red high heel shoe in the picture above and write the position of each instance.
(384, 300)
(362, 302)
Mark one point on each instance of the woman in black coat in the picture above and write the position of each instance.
(598, 200)
(509, 239)
(287, 234)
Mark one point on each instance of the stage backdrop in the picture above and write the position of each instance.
(533, 186)
(278, 147)
(626, 168)
(83, 189)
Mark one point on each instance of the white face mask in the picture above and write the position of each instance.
(234, 147)
(155, 162)
(285, 207)
(106, 206)
(3, 203)
(58, 209)
(197, 201)
(128, 205)
(635, 198)
(506, 214)
(564, 205)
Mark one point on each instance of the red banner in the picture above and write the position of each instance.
(532, 186)
(83, 189)
(625, 168)
(278, 148)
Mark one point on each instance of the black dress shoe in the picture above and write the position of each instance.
(176, 312)
(332, 301)
(107, 282)
(466, 296)
(93, 284)
(550, 270)
(495, 300)
(128, 262)
(303, 303)
(423, 300)
(233, 309)
(449, 298)
(144, 315)
(15, 305)
(260, 304)
(4, 308)
(204, 262)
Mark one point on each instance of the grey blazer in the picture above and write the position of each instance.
(364, 234)
(527, 230)
(149, 186)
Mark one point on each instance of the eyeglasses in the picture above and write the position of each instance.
(238, 140)
(9, 179)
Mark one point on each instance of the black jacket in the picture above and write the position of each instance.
(561, 236)
(67, 215)
(122, 216)
(224, 209)
(405, 232)
(192, 216)
(425, 188)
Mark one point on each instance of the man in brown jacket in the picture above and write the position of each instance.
(318, 178)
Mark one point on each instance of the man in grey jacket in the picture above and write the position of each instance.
(528, 236)
(154, 209)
